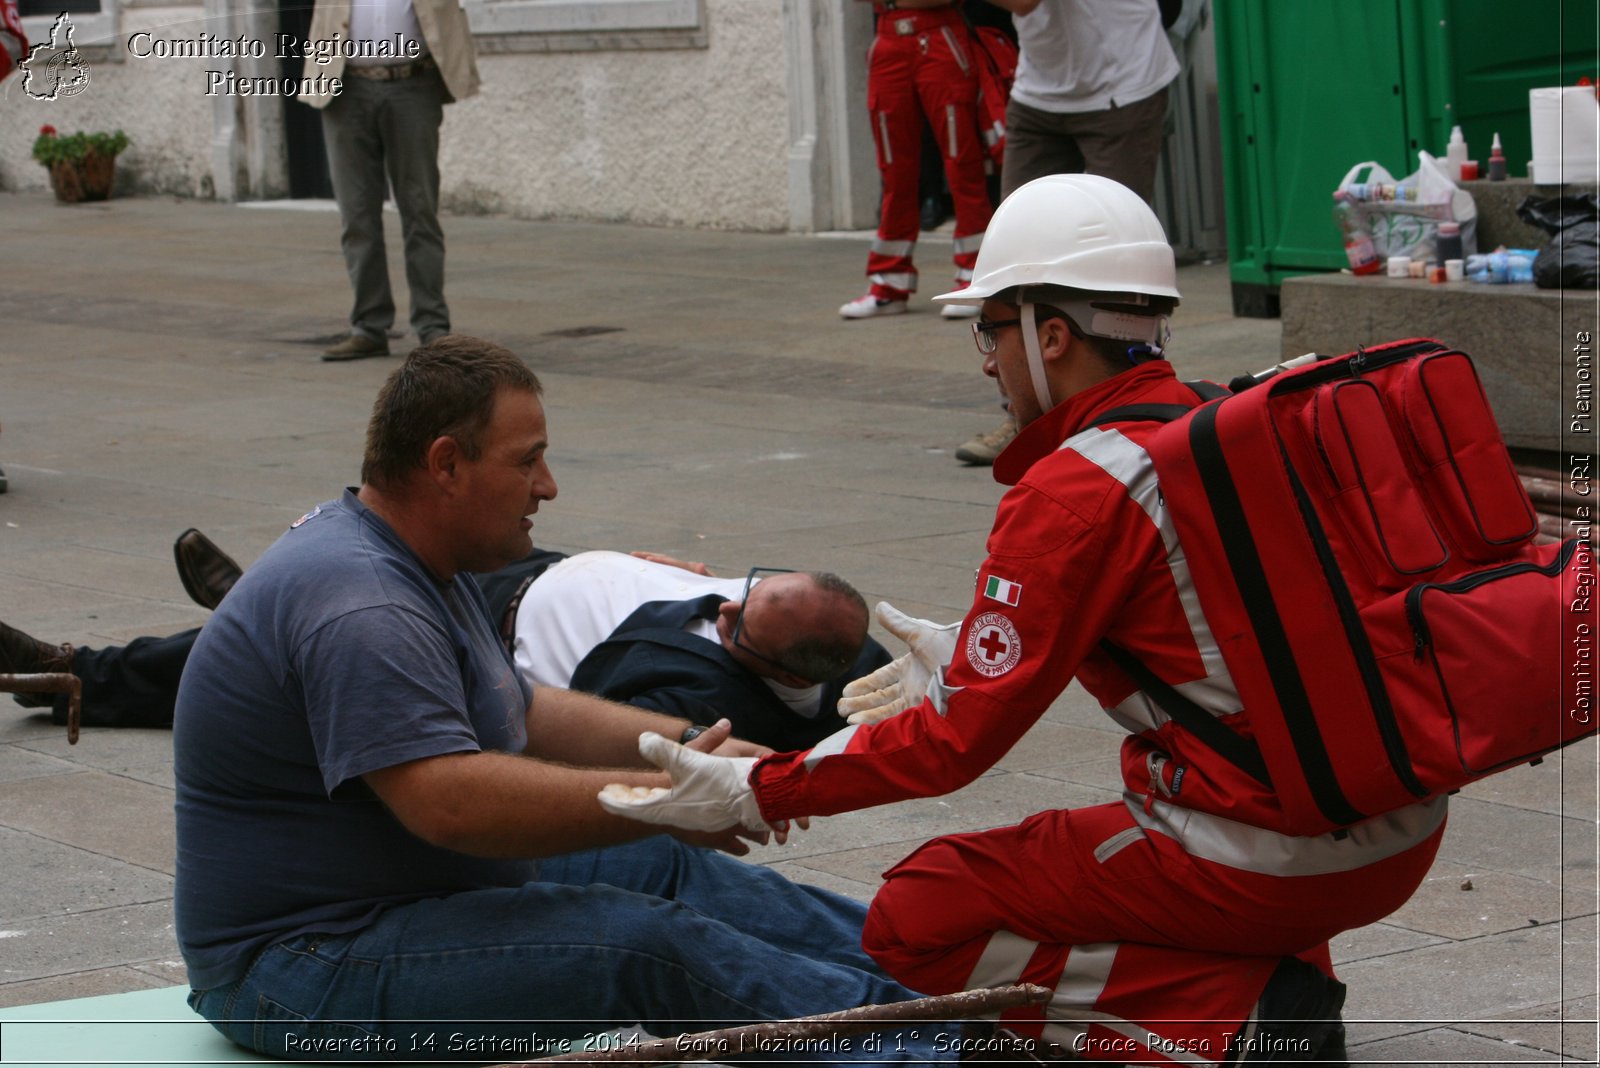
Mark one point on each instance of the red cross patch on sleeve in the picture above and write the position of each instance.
(993, 646)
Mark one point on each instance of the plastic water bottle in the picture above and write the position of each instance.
(1501, 266)
(1455, 154)
(1358, 247)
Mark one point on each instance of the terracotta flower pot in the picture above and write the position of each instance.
(87, 179)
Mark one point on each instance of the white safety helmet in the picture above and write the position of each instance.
(1075, 230)
(1080, 232)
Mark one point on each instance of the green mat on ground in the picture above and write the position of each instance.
(141, 1027)
(138, 1027)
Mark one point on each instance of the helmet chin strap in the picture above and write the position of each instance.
(1030, 342)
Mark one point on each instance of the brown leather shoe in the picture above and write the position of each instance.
(207, 573)
(23, 654)
(356, 347)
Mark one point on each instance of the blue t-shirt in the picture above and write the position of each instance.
(338, 653)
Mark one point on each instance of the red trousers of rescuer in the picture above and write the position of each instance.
(1116, 918)
(920, 67)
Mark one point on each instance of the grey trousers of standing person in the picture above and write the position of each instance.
(1120, 143)
(384, 135)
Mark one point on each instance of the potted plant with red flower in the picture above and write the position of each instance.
(82, 165)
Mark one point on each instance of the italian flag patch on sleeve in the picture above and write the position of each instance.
(1003, 590)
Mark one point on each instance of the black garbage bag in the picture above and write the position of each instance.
(1571, 258)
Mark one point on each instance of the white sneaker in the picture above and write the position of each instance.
(868, 306)
(960, 311)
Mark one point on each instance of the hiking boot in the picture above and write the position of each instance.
(356, 347)
(982, 450)
(207, 573)
(1296, 1021)
(869, 306)
(23, 654)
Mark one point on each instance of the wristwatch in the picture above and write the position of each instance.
(690, 733)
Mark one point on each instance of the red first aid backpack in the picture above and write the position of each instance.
(1364, 553)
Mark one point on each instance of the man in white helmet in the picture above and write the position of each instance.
(1173, 924)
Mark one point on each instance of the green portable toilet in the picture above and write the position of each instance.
(1309, 88)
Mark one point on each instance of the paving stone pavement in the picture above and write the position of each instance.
(159, 370)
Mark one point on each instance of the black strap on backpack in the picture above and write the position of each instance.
(1159, 413)
(1237, 750)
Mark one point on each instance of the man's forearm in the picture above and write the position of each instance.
(505, 805)
(581, 729)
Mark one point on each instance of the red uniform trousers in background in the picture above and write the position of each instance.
(13, 41)
(920, 65)
(1117, 919)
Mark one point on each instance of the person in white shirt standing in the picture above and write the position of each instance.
(411, 57)
(1090, 97)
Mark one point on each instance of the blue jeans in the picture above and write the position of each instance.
(657, 933)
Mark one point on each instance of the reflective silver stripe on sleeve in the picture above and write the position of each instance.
(832, 745)
(969, 243)
(1130, 465)
(893, 248)
(939, 694)
(1256, 849)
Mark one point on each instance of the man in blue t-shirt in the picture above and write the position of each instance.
(388, 847)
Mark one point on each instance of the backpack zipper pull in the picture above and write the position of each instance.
(1419, 626)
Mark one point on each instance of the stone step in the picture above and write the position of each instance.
(1497, 203)
(1533, 347)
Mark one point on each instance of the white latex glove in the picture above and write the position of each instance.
(709, 793)
(902, 683)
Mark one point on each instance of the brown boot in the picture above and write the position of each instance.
(207, 573)
(23, 654)
(982, 450)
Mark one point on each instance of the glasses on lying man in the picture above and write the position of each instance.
(739, 630)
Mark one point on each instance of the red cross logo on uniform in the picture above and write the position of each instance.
(993, 647)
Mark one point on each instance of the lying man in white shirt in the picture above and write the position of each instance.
(770, 651)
